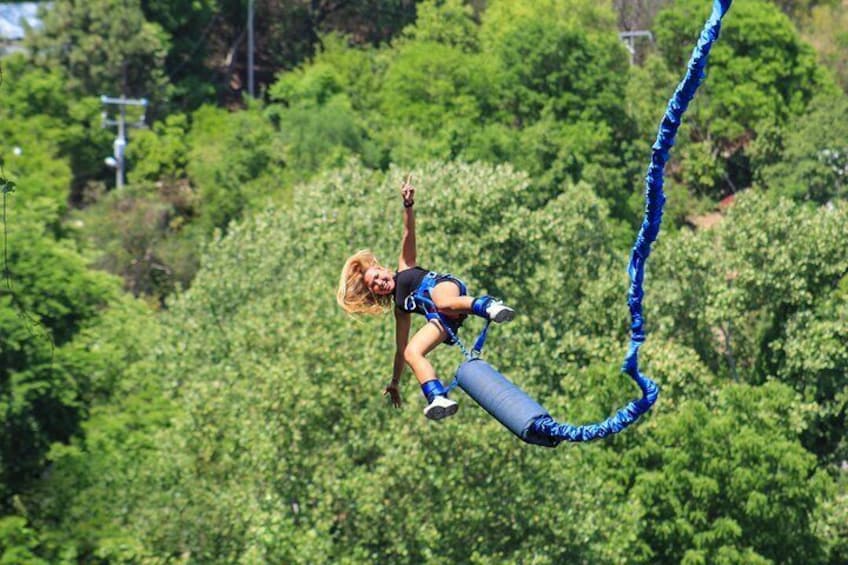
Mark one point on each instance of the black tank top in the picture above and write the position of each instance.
(406, 282)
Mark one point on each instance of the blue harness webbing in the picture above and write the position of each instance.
(420, 297)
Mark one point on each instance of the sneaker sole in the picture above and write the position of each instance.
(441, 412)
(504, 315)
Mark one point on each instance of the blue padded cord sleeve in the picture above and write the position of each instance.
(654, 200)
(507, 403)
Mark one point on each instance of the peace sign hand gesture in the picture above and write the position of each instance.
(407, 191)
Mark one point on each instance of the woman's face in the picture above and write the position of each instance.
(379, 280)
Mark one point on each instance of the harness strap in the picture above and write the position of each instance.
(421, 297)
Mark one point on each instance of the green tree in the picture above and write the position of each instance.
(562, 86)
(234, 163)
(447, 22)
(756, 298)
(106, 47)
(812, 359)
(543, 93)
(760, 74)
(832, 521)
(161, 152)
(318, 126)
(76, 507)
(809, 159)
(51, 129)
(729, 484)
(190, 29)
(432, 100)
(18, 542)
(49, 296)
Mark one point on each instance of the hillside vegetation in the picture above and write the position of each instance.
(178, 385)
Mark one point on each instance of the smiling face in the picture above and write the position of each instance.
(379, 280)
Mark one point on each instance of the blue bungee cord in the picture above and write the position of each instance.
(509, 404)
(504, 400)
(654, 200)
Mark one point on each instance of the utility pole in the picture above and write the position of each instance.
(629, 38)
(119, 146)
(250, 48)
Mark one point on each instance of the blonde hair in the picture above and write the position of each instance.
(353, 294)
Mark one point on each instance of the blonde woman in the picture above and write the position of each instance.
(366, 287)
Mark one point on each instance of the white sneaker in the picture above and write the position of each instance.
(441, 407)
(499, 312)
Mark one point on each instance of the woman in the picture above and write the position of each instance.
(366, 287)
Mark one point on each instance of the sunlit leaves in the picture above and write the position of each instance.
(729, 485)
(757, 297)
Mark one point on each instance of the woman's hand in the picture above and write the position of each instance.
(407, 191)
(394, 394)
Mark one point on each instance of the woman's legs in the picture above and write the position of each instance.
(446, 297)
(423, 342)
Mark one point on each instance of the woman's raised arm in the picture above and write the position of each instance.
(407, 258)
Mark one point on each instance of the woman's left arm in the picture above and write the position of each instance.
(402, 325)
(407, 258)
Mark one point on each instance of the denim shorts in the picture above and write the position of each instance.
(453, 323)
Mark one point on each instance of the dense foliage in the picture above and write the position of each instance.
(224, 410)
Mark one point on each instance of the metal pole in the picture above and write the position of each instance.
(629, 38)
(118, 158)
(120, 145)
(250, 48)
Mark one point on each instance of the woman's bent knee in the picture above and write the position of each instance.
(411, 355)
